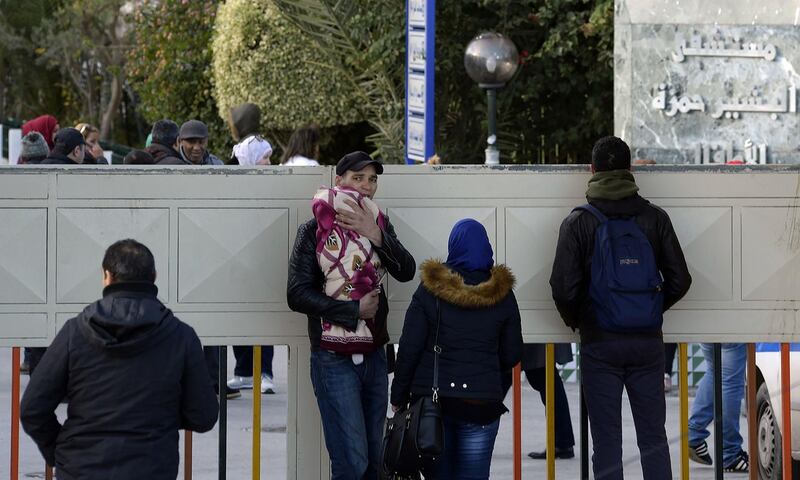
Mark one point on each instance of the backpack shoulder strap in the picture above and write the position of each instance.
(594, 211)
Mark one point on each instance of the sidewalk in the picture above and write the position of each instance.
(273, 435)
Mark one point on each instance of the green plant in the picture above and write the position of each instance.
(260, 57)
(561, 98)
(363, 41)
(170, 65)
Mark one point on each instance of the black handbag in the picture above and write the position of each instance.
(415, 436)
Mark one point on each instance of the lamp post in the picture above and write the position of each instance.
(491, 59)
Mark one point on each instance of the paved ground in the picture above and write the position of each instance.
(273, 435)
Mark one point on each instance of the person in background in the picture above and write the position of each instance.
(94, 152)
(34, 149)
(138, 157)
(251, 148)
(47, 125)
(734, 363)
(480, 340)
(533, 364)
(303, 148)
(164, 146)
(69, 149)
(193, 144)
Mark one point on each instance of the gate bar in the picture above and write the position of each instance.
(256, 412)
(550, 408)
(683, 391)
(14, 413)
(517, 419)
(786, 412)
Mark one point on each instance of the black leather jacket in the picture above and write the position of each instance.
(572, 266)
(305, 294)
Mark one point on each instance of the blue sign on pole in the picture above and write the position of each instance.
(420, 49)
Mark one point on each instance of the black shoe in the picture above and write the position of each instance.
(562, 453)
(699, 454)
(740, 464)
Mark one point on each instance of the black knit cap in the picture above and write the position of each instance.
(69, 138)
(357, 161)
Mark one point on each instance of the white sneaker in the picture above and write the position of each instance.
(240, 383)
(266, 384)
(667, 383)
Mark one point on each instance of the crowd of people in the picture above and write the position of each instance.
(45, 142)
(618, 267)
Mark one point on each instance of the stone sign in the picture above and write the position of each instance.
(698, 85)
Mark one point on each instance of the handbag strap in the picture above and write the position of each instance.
(436, 351)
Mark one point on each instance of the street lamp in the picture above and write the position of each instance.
(491, 60)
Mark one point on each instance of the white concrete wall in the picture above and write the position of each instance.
(222, 236)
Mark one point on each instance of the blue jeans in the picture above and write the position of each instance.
(734, 360)
(467, 450)
(352, 401)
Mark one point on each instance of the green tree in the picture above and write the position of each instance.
(363, 41)
(170, 66)
(260, 57)
(86, 40)
(561, 98)
(26, 88)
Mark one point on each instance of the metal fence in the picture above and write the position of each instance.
(740, 230)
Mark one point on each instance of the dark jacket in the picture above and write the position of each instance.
(572, 266)
(305, 293)
(133, 375)
(57, 159)
(164, 155)
(479, 334)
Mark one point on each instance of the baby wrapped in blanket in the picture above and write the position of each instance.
(350, 265)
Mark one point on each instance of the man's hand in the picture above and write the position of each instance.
(361, 222)
(395, 408)
(368, 305)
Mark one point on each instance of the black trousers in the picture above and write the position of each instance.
(563, 423)
(212, 362)
(669, 357)
(244, 360)
(637, 365)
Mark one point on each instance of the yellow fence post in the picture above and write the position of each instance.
(256, 412)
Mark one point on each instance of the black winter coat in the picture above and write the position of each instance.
(57, 159)
(480, 335)
(305, 293)
(133, 375)
(572, 266)
(164, 155)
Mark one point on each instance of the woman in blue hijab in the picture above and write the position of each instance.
(480, 339)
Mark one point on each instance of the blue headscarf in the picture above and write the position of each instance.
(469, 248)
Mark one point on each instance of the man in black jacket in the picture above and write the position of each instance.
(165, 143)
(133, 375)
(352, 397)
(611, 361)
(69, 148)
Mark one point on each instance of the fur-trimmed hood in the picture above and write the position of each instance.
(450, 287)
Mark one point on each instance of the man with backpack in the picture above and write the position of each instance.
(618, 268)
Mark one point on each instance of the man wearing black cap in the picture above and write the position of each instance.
(69, 148)
(352, 396)
(193, 144)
